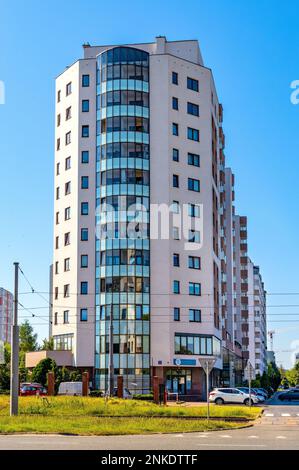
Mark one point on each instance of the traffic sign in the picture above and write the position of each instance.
(207, 363)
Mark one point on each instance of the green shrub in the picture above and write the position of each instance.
(147, 396)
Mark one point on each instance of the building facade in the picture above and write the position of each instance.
(6, 313)
(139, 139)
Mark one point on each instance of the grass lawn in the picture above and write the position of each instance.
(77, 406)
(103, 426)
(76, 415)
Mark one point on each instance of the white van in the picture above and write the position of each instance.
(70, 388)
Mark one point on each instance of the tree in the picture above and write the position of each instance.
(5, 369)
(28, 339)
(40, 371)
(48, 344)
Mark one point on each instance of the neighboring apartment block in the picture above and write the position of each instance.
(141, 126)
(6, 312)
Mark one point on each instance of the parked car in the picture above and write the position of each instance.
(220, 396)
(261, 392)
(32, 390)
(290, 395)
(261, 398)
(126, 393)
(70, 388)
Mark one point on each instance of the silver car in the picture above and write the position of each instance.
(220, 396)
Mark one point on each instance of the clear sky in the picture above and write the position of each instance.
(252, 48)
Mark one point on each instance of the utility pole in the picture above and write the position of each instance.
(111, 363)
(14, 366)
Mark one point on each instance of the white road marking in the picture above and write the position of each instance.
(253, 437)
(179, 435)
(226, 436)
(232, 445)
(280, 437)
(203, 435)
(297, 414)
(269, 414)
(285, 414)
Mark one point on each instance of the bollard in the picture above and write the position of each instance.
(120, 386)
(156, 389)
(51, 383)
(85, 384)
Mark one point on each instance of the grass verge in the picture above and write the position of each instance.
(106, 426)
(96, 407)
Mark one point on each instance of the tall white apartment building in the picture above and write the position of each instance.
(141, 126)
(6, 313)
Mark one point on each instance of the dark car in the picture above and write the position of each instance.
(290, 395)
(32, 390)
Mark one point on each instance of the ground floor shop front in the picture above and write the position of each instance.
(186, 383)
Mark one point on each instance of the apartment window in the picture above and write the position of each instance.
(67, 188)
(67, 213)
(58, 96)
(57, 169)
(66, 314)
(57, 192)
(85, 131)
(69, 88)
(84, 182)
(175, 78)
(84, 208)
(194, 315)
(176, 233)
(68, 138)
(56, 267)
(56, 243)
(194, 262)
(176, 314)
(193, 109)
(176, 260)
(67, 264)
(85, 106)
(85, 80)
(194, 236)
(56, 318)
(175, 181)
(175, 129)
(193, 185)
(68, 163)
(85, 156)
(194, 288)
(57, 218)
(68, 113)
(176, 287)
(56, 293)
(83, 314)
(67, 239)
(58, 120)
(193, 134)
(84, 234)
(175, 103)
(193, 210)
(66, 290)
(193, 159)
(84, 288)
(175, 155)
(175, 207)
(58, 144)
(192, 84)
(84, 261)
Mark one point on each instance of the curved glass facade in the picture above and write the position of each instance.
(123, 183)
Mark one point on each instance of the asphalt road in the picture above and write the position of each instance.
(278, 429)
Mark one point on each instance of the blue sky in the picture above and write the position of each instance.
(252, 48)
